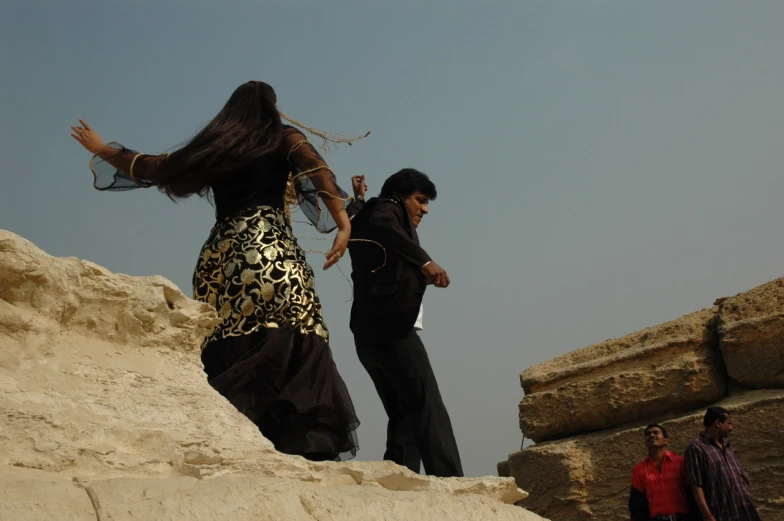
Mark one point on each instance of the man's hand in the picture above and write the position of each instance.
(435, 274)
(359, 186)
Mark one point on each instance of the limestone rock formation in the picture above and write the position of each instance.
(105, 413)
(588, 476)
(612, 383)
(590, 407)
(751, 328)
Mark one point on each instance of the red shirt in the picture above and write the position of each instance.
(665, 490)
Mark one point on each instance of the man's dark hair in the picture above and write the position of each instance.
(664, 431)
(406, 182)
(713, 414)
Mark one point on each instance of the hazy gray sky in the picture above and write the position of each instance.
(601, 166)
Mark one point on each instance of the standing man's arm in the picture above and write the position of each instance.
(699, 497)
(387, 220)
(688, 493)
(638, 502)
(694, 465)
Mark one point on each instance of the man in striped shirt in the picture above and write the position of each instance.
(659, 483)
(721, 488)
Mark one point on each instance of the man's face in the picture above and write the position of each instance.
(724, 427)
(654, 438)
(416, 206)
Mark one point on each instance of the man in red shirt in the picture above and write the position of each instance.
(659, 482)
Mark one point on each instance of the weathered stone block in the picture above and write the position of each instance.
(672, 367)
(751, 332)
(588, 477)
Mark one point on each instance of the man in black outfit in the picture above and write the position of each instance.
(390, 273)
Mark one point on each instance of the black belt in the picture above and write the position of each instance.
(673, 517)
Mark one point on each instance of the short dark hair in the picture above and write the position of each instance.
(664, 431)
(713, 414)
(406, 182)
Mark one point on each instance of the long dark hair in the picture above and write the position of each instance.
(247, 128)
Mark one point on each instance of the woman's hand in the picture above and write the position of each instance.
(338, 247)
(87, 137)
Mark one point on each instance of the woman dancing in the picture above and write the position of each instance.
(270, 355)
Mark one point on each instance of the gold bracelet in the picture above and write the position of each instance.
(130, 170)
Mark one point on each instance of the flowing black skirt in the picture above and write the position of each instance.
(270, 355)
(287, 384)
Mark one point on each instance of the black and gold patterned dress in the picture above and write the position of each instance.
(270, 355)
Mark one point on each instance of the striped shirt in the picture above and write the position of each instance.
(718, 472)
(665, 490)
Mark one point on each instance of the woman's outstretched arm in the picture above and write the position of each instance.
(139, 167)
